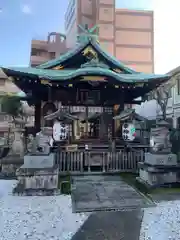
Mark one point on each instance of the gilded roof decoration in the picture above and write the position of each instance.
(117, 70)
(94, 63)
(94, 78)
(45, 82)
(89, 52)
(58, 67)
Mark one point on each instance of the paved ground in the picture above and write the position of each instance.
(99, 193)
(111, 226)
(165, 197)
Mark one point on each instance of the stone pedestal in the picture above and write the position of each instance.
(158, 169)
(161, 159)
(17, 145)
(39, 161)
(37, 176)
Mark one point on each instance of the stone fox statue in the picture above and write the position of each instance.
(159, 139)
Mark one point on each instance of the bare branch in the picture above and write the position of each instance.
(161, 95)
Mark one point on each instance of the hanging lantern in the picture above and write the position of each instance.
(128, 132)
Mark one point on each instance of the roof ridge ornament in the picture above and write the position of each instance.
(95, 63)
(88, 34)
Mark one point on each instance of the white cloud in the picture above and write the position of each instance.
(166, 35)
(26, 9)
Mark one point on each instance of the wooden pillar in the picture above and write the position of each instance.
(118, 110)
(87, 122)
(113, 123)
(37, 120)
(73, 131)
(103, 133)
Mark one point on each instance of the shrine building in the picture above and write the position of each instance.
(86, 77)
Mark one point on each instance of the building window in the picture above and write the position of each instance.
(2, 81)
(34, 52)
(52, 55)
(178, 85)
(37, 52)
(170, 93)
(52, 38)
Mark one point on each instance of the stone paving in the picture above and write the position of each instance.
(111, 226)
(101, 193)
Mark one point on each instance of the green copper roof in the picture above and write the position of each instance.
(129, 113)
(21, 94)
(61, 75)
(86, 33)
(78, 49)
(62, 58)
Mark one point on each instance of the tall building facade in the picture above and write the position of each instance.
(125, 33)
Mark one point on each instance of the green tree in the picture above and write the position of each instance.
(12, 106)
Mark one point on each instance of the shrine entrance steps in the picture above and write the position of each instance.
(105, 193)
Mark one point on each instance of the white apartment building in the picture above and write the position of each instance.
(173, 107)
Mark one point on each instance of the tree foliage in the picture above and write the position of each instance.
(12, 106)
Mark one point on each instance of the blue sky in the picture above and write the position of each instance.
(22, 20)
(135, 4)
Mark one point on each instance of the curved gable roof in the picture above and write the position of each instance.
(78, 49)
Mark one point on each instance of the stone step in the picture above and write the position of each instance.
(104, 193)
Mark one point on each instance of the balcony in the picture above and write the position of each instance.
(56, 43)
(36, 60)
(5, 118)
(39, 44)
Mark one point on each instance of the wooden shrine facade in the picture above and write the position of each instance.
(85, 76)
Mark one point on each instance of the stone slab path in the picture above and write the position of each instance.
(104, 193)
(111, 226)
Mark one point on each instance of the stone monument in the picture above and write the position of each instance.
(160, 166)
(39, 173)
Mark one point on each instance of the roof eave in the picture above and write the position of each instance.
(88, 71)
(58, 61)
